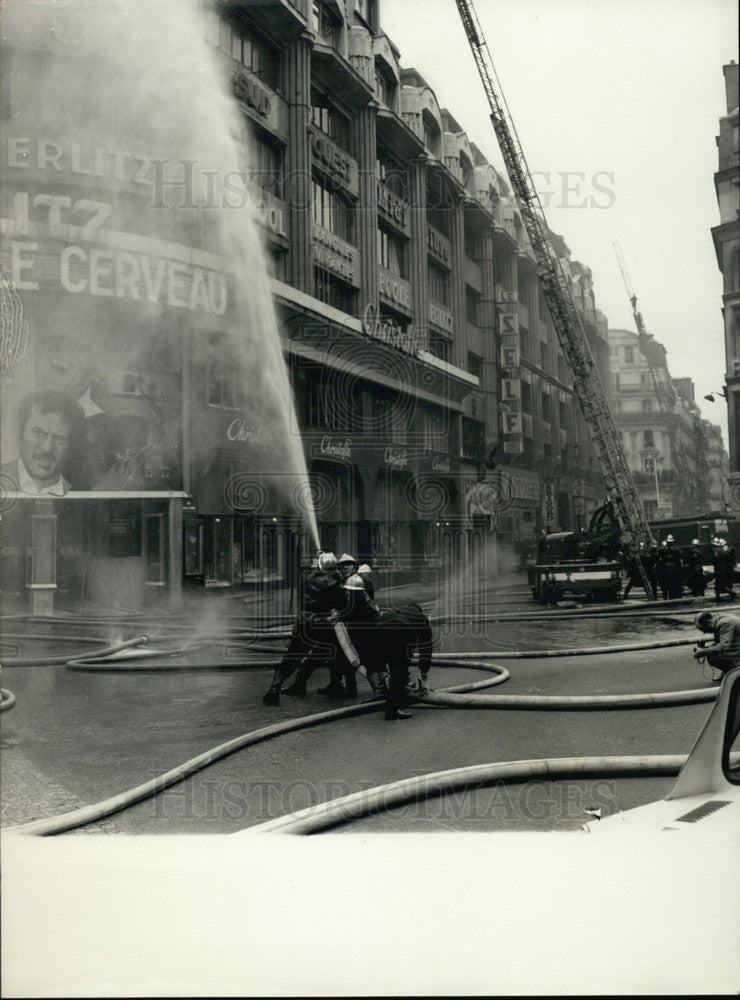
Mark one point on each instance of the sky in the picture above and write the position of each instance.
(617, 106)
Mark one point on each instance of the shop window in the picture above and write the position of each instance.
(220, 383)
(193, 548)
(330, 211)
(392, 253)
(122, 537)
(154, 549)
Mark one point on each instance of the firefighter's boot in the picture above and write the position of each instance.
(272, 695)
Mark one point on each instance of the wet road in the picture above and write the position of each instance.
(78, 737)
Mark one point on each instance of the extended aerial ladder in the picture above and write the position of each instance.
(666, 395)
(620, 488)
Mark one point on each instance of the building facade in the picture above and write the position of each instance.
(433, 404)
(726, 238)
(650, 437)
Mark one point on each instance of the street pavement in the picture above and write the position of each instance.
(77, 737)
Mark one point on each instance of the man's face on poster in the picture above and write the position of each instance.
(44, 444)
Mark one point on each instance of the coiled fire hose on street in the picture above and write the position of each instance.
(458, 696)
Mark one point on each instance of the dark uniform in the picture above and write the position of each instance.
(669, 567)
(695, 578)
(724, 571)
(399, 634)
(356, 635)
(313, 639)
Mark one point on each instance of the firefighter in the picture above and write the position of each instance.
(399, 634)
(355, 630)
(695, 579)
(634, 576)
(669, 566)
(724, 654)
(723, 558)
(313, 638)
(366, 575)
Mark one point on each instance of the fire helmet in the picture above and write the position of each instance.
(327, 560)
(695, 541)
(345, 558)
(365, 570)
(354, 582)
(670, 538)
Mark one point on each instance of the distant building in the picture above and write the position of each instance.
(726, 238)
(718, 466)
(647, 434)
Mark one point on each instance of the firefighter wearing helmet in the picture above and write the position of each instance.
(313, 630)
(696, 581)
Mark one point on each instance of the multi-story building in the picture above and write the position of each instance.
(434, 406)
(650, 438)
(726, 238)
(718, 467)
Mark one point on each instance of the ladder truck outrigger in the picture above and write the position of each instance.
(623, 499)
(664, 391)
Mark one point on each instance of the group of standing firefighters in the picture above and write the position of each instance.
(340, 626)
(669, 570)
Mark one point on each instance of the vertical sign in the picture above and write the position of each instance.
(511, 385)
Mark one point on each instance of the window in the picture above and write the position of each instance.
(439, 346)
(546, 408)
(392, 253)
(323, 23)
(647, 406)
(543, 354)
(253, 50)
(389, 419)
(472, 307)
(648, 439)
(331, 211)
(326, 116)
(431, 136)
(616, 381)
(472, 444)
(439, 285)
(367, 11)
(629, 358)
(263, 58)
(434, 428)
(385, 85)
(392, 175)
(475, 364)
(526, 397)
(333, 291)
(220, 382)
(323, 408)
(265, 164)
